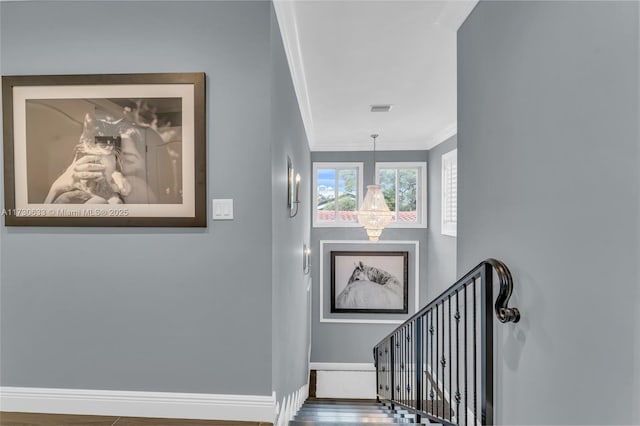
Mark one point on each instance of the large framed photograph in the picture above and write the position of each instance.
(369, 282)
(105, 150)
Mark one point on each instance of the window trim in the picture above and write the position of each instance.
(421, 202)
(314, 201)
(447, 228)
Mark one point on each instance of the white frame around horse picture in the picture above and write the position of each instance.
(324, 277)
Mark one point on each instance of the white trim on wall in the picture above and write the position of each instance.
(286, 16)
(345, 380)
(369, 321)
(343, 366)
(256, 408)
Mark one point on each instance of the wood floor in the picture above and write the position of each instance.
(28, 419)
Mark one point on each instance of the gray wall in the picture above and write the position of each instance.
(154, 309)
(549, 183)
(341, 342)
(441, 249)
(291, 300)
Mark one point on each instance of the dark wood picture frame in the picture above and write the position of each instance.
(31, 106)
(371, 277)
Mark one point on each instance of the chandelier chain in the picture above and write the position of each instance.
(374, 136)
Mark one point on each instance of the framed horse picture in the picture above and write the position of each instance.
(369, 282)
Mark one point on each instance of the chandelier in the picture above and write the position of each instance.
(374, 214)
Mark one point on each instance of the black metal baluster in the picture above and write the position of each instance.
(466, 362)
(391, 372)
(475, 356)
(410, 358)
(385, 376)
(401, 384)
(419, 345)
(392, 369)
(389, 368)
(443, 362)
(403, 365)
(398, 370)
(409, 364)
(399, 362)
(430, 379)
(386, 364)
(457, 397)
(437, 364)
(381, 371)
(450, 365)
(425, 362)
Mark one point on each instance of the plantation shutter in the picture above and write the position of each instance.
(450, 193)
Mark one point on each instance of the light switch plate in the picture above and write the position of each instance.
(223, 209)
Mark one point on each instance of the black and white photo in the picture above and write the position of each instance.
(369, 281)
(112, 150)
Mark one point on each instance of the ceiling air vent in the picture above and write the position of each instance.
(380, 108)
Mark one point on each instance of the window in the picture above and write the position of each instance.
(450, 193)
(404, 186)
(337, 194)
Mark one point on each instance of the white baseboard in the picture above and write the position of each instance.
(345, 380)
(342, 366)
(256, 408)
(290, 405)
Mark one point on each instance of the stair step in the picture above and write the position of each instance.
(355, 419)
(368, 415)
(362, 418)
(331, 412)
(345, 408)
(363, 413)
(348, 402)
(341, 423)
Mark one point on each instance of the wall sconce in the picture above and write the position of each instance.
(293, 189)
(306, 261)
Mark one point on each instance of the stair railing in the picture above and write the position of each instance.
(429, 364)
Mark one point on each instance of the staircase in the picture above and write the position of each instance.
(345, 412)
(438, 364)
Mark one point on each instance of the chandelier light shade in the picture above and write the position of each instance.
(374, 214)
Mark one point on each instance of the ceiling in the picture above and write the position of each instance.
(347, 55)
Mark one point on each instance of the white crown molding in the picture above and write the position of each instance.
(409, 145)
(286, 16)
(366, 146)
(256, 408)
(443, 135)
